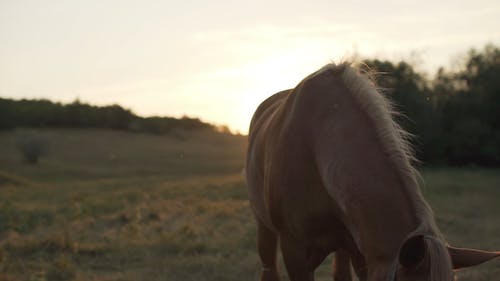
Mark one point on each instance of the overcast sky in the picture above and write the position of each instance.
(218, 59)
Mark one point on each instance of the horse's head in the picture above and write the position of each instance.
(426, 258)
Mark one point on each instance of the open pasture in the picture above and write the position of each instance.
(111, 205)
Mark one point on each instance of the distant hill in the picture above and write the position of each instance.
(47, 114)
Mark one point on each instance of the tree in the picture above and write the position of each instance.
(469, 101)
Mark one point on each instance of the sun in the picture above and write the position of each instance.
(262, 81)
(235, 91)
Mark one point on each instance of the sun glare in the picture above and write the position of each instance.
(263, 80)
(269, 76)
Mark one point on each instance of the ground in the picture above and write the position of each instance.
(112, 205)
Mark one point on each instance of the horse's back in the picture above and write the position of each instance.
(265, 109)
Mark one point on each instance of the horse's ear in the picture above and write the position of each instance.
(461, 257)
(413, 252)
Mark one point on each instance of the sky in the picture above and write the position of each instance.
(217, 60)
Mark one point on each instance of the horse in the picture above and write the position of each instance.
(329, 170)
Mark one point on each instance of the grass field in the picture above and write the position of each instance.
(110, 205)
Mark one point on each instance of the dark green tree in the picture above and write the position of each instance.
(469, 102)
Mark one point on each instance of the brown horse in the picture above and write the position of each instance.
(328, 170)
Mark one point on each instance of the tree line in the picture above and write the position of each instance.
(46, 114)
(455, 117)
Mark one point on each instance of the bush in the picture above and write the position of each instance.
(31, 146)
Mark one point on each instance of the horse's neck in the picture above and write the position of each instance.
(363, 180)
(377, 203)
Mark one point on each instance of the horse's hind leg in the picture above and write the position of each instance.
(342, 266)
(267, 242)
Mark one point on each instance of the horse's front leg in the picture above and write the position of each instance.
(359, 264)
(342, 266)
(299, 260)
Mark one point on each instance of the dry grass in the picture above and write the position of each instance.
(104, 205)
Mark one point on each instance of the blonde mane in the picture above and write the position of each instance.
(380, 110)
(393, 138)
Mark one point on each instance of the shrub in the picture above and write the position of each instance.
(31, 145)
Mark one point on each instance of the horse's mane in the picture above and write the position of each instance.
(396, 143)
(439, 260)
(382, 113)
(379, 109)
